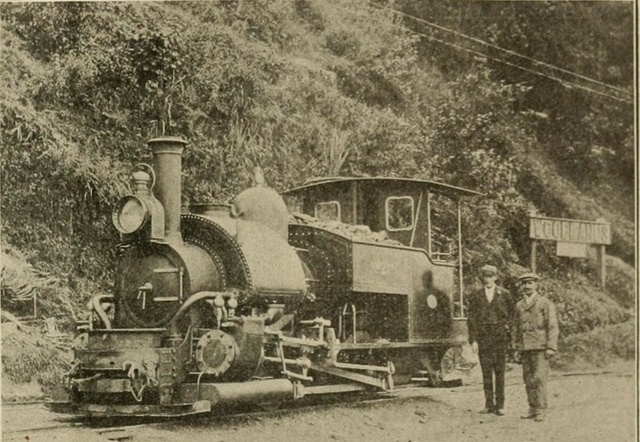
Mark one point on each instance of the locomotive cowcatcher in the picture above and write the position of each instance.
(247, 303)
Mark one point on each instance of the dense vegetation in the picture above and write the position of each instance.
(310, 88)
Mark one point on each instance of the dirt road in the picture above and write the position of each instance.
(586, 407)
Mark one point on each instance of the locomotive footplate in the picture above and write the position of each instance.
(136, 410)
(192, 398)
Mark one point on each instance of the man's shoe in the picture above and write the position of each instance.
(500, 412)
(528, 416)
(486, 411)
(539, 418)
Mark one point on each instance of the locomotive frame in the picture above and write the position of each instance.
(245, 303)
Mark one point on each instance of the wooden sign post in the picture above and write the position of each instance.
(572, 237)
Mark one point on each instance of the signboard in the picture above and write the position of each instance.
(574, 238)
(571, 249)
(569, 231)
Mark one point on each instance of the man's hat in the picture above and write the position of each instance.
(528, 277)
(489, 270)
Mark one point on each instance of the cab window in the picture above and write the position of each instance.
(328, 211)
(399, 213)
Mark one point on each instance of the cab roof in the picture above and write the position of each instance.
(446, 189)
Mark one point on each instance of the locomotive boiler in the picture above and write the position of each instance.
(249, 303)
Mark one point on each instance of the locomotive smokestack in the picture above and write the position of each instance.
(167, 165)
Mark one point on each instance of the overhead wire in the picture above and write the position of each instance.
(560, 80)
(563, 81)
(510, 52)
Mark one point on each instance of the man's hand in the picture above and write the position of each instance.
(549, 353)
(474, 347)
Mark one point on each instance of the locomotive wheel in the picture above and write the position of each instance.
(449, 360)
(433, 364)
(459, 358)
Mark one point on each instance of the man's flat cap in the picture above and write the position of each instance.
(528, 277)
(489, 270)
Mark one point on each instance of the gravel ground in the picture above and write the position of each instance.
(597, 406)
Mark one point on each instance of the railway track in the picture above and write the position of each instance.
(42, 424)
(104, 428)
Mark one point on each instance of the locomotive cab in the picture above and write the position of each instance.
(404, 250)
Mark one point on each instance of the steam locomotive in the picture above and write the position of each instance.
(247, 304)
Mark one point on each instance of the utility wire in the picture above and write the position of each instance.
(477, 40)
(482, 42)
(562, 81)
(499, 60)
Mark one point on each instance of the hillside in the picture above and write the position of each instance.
(309, 88)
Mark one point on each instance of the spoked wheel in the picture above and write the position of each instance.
(450, 359)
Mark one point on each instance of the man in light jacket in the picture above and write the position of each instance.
(535, 337)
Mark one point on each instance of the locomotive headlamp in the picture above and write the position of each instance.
(130, 214)
(134, 211)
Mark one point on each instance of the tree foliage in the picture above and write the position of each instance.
(303, 88)
(588, 134)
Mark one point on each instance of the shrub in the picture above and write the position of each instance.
(580, 306)
(597, 347)
(27, 355)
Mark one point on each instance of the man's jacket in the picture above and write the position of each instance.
(481, 313)
(535, 326)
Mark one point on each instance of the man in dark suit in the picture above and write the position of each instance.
(489, 313)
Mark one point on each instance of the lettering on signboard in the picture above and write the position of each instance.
(569, 231)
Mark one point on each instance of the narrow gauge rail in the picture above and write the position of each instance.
(126, 428)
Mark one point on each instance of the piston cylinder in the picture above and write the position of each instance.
(256, 392)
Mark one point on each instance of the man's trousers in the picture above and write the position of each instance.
(492, 355)
(535, 370)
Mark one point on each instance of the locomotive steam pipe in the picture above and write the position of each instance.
(167, 164)
(96, 304)
(173, 325)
